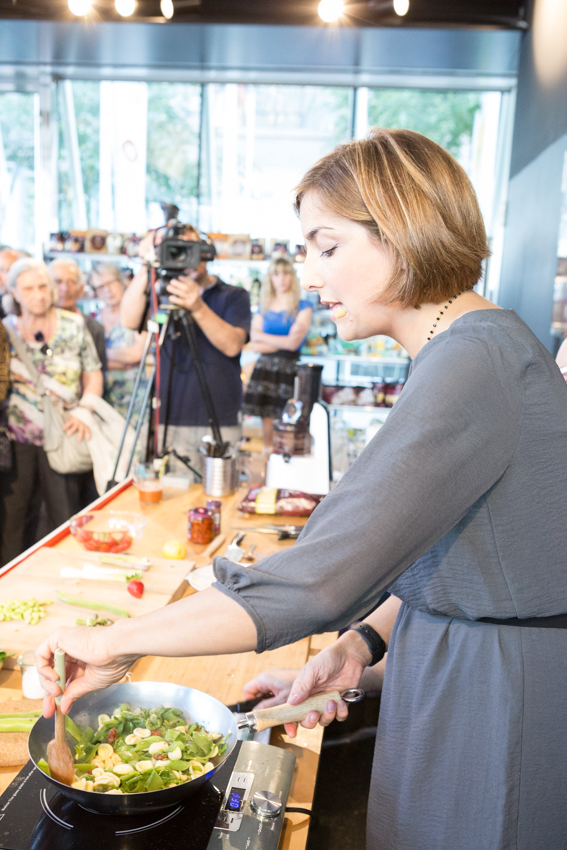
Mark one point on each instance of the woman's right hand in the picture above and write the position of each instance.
(90, 661)
(338, 667)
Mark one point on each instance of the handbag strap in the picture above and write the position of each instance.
(23, 353)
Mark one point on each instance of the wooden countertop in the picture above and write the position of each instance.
(221, 676)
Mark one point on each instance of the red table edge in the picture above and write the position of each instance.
(65, 529)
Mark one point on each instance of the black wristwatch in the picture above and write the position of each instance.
(373, 640)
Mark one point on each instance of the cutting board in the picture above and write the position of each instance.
(39, 576)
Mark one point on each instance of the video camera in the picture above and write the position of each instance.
(176, 255)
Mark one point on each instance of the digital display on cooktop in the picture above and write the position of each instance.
(235, 800)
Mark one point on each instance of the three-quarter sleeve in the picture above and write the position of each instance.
(449, 439)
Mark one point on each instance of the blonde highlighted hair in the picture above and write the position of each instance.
(268, 293)
(414, 197)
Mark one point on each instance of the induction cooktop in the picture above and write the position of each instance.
(243, 808)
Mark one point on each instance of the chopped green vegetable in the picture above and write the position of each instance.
(29, 610)
(87, 603)
(156, 747)
(42, 764)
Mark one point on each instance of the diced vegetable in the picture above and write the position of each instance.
(29, 610)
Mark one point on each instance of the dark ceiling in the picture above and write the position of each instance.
(500, 14)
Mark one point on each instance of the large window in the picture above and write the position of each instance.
(229, 155)
(465, 123)
(258, 141)
(123, 149)
(172, 171)
(17, 170)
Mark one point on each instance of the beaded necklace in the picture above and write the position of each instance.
(445, 308)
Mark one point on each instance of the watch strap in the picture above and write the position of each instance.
(375, 643)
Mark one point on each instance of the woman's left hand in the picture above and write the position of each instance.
(256, 335)
(75, 426)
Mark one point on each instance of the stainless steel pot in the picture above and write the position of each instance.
(197, 706)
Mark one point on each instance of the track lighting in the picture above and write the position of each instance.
(167, 10)
(125, 7)
(80, 7)
(401, 7)
(330, 10)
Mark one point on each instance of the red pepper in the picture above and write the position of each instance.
(136, 588)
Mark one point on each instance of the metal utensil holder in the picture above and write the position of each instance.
(221, 476)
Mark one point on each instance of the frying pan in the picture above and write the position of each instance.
(196, 705)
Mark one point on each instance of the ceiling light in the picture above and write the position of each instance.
(166, 7)
(401, 7)
(80, 7)
(330, 10)
(125, 7)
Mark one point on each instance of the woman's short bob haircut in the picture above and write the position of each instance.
(414, 197)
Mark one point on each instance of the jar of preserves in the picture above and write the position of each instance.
(200, 526)
(215, 508)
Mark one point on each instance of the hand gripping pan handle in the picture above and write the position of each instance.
(277, 715)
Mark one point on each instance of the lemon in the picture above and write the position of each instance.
(174, 549)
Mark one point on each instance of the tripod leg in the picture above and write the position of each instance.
(131, 405)
(189, 327)
(141, 418)
(168, 397)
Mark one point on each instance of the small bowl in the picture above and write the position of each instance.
(112, 531)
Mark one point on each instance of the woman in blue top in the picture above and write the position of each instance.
(277, 333)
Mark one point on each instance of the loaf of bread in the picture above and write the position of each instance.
(14, 745)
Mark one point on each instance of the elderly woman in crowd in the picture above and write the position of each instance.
(63, 352)
(124, 346)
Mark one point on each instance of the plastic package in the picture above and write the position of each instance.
(269, 500)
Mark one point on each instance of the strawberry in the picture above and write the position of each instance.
(136, 588)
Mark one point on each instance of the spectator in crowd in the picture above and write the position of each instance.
(278, 332)
(63, 351)
(124, 346)
(68, 279)
(222, 317)
(8, 256)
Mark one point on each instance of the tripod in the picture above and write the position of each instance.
(176, 318)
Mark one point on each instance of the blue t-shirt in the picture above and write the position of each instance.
(187, 407)
(280, 324)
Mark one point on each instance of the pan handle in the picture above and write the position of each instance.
(265, 718)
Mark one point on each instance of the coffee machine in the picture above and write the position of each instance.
(301, 455)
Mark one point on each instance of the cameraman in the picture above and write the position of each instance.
(222, 317)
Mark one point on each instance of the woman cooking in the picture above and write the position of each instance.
(277, 332)
(458, 507)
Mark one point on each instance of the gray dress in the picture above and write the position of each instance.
(459, 507)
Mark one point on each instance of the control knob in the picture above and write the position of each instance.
(266, 804)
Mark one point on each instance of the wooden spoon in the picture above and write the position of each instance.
(59, 757)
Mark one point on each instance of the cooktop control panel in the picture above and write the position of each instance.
(253, 808)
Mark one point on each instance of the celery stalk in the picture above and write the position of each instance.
(11, 724)
(87, 603)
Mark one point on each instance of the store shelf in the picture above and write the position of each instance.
(358, 408)
(72, 255)
(358, 358)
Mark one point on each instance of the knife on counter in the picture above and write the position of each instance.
(284, 532)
